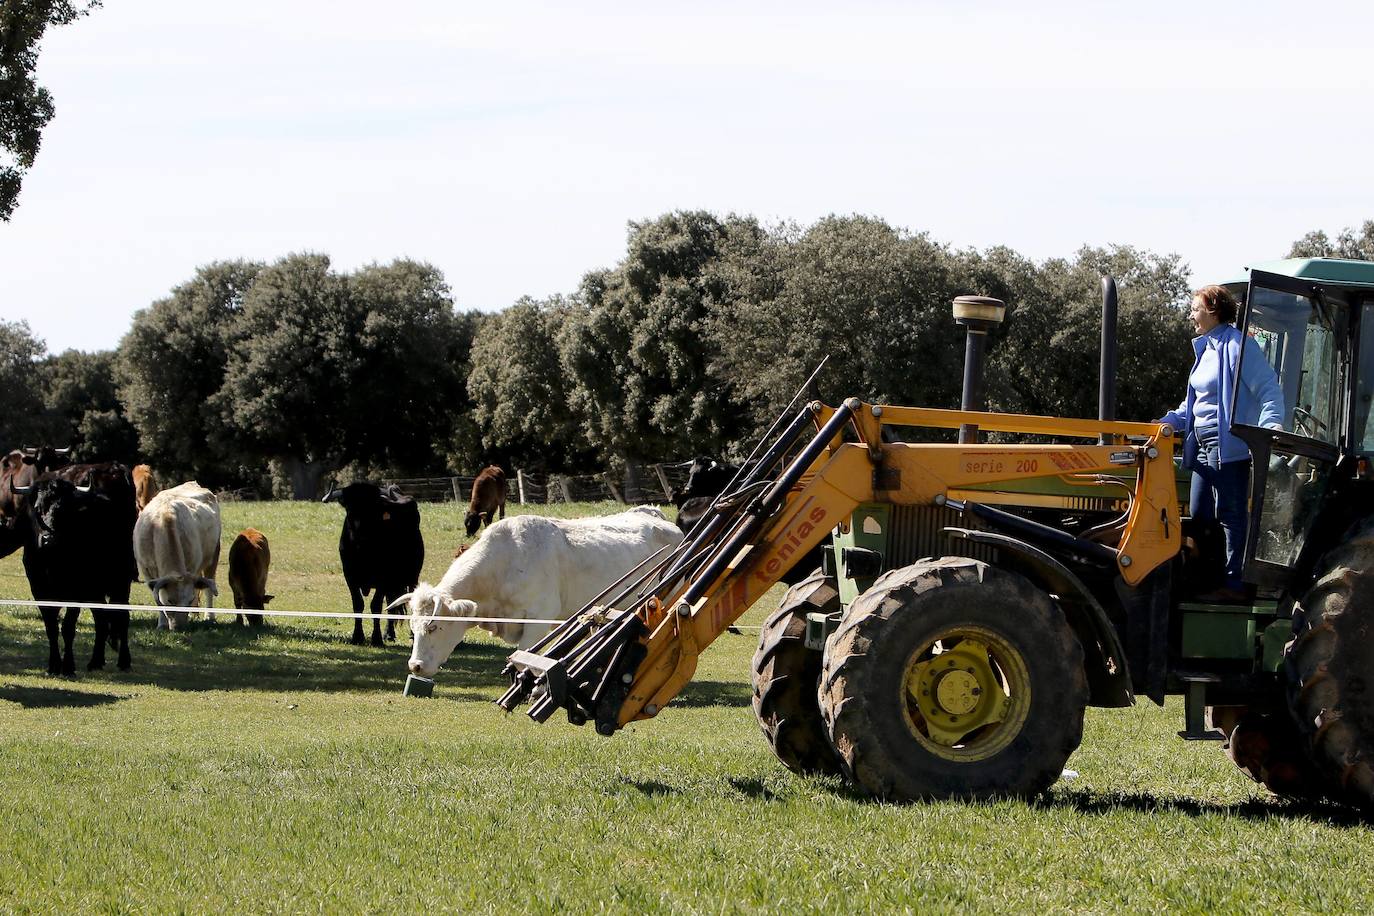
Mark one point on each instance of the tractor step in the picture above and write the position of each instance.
(1195, 707)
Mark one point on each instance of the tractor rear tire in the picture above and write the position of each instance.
(1330, 667)
(785, 675)
(1266, 747)
(953, 679)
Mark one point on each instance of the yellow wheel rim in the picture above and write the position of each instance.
(966, 694)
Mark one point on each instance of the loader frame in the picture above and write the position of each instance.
(619, 667)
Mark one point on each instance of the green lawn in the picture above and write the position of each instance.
(283, 771)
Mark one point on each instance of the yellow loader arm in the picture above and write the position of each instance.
(616, 667)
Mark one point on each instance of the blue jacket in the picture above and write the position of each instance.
(1258, 403)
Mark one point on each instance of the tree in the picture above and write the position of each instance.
(25, 107)
(292, 355)
(1046, 361)
(22, 418)
(411, 373)
(325, 369)
(520, 395)
(873, 299)
(83, 407)
(1349, 244)
(460, 441)
(638, 370)
(170, 366)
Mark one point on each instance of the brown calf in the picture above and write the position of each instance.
(145, 487)
(488, 495)
(249, 558)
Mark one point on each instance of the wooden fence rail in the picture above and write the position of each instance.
(653, 483)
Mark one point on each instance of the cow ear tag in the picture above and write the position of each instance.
(386, 516)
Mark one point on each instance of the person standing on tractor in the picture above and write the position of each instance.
(1220, 462)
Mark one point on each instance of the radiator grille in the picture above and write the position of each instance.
(916, 532)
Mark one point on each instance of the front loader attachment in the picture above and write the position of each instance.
(614, 666)
(625, 655)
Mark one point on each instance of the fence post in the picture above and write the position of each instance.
(457, 491)
(633, 488)
(610, 485)
(520, 484)
(567, 490)
(663, 482)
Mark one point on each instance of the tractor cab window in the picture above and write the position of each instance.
(1300, 330)
(1363, 433)
(1299, 337)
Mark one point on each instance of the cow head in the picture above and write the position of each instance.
(181, 591)
(45, 458)
(473, 521)
(357, 497)
(58, 511)
(705, 478)
(433, 635)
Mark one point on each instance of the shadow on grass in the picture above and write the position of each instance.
(652, 787)
(221, 656)
(1253, 809)
(1110, 803)
(713, 693)
(50, 697)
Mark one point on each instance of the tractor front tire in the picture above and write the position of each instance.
(785, 675)
(1330, 667)
(953, 679)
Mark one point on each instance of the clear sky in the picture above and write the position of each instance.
(510, 144)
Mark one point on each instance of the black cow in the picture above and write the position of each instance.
(380, 547)
(78, 548)
(708, 478)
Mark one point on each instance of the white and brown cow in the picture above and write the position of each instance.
(533, 567)
(176, 544)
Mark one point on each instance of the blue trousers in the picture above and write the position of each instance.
(1221, 492)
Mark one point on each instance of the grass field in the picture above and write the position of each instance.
(236, 771)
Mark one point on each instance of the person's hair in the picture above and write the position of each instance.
(1218, 301)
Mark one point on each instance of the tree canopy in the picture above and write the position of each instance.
(1358, 245)
(171, 364)
(633, 349)
(692, 343)
(25, 107)
(21, 419)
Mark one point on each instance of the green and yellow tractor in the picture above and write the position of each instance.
(979, 594)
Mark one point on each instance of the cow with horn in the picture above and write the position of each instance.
(76, 535)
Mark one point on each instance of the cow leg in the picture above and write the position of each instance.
(390, 624)
(377, 600)
(357, 597)
(102, 633)
(68, 638)
(119, 630)
(50, 626)
(119, 625)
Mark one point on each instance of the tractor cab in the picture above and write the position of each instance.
(1313, 321)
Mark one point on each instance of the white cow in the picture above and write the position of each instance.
(529, 566)
(176, 544)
